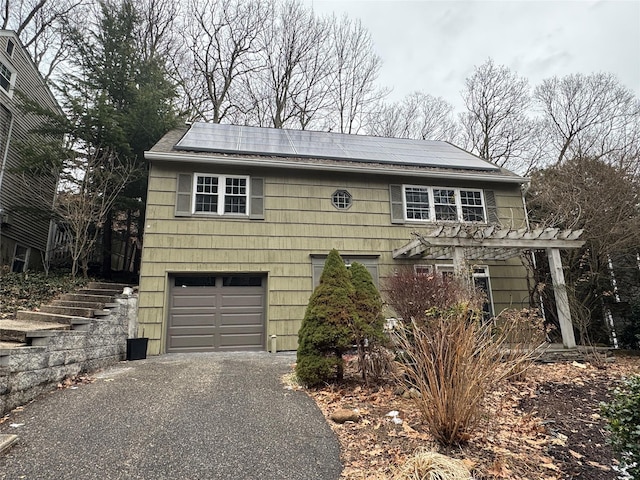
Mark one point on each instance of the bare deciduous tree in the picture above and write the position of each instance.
(352, 87)
(91, 184)
(289, 89)
(220, 51)
(418, 115)
(495, 125)
(42, 26)
(156, 33)
(588, 115)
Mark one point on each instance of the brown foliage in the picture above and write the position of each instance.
(454, 360)
(411, 295)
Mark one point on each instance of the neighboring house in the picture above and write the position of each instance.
(240, 220)
(24, 234)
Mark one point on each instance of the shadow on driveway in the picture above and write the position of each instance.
(177, 416)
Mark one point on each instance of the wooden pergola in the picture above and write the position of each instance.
(462, 243)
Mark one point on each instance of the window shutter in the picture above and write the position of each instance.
(257, 199)
(492, 208)
(397, 205)
(183, 195)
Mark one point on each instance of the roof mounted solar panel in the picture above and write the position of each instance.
(242, 140)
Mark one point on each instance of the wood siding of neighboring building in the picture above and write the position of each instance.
(27, 230)
(300, 221)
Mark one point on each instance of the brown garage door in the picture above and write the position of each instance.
(216, 313)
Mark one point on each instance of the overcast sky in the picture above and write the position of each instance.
(433, 46)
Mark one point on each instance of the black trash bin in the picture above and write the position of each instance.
(137, 348)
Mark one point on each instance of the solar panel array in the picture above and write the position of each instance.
(234, 139)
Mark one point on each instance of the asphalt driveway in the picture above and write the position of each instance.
(178, 416)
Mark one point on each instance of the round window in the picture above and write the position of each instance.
(341, 199)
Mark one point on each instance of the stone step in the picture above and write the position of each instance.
(7, 347)
(107, 286)
(71, 311)
(17, 330)
(71, 303)
(82, 297)
(100, 291)
(51, 318)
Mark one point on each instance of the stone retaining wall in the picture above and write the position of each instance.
(27, 372)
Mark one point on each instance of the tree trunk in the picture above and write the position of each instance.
(107, 232)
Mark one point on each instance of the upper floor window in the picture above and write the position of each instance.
(221, 194)
(443, 204)
(6, 76)
(10, 47)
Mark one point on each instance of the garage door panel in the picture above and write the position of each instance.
(239, 300)
(193, 301)
(237, 341)
(227, 316)
(243, 319)
(191, 320)
(192, 341)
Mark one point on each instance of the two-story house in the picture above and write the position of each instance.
(240, 220)
(24, 229)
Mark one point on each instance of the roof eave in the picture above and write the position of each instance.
(361, 168)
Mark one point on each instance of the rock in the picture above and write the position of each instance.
(399, 390)
(343, 415)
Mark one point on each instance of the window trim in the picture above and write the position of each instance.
(25, 260)
(423, 269)
(10, 47)
(432, 205)
(221, 194)
(11, 79)
(484, 274)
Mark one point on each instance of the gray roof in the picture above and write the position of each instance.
(220, 138)
(270, 147)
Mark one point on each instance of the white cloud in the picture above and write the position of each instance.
(433, 45)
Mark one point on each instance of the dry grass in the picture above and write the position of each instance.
(428, 465)
(454, 361)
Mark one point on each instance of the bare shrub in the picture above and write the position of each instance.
(411, 295)
(378, 363)
(454, 359)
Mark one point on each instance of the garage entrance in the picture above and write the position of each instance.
(209, 313)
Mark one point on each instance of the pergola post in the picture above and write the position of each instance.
(459, 266)
(562, 300)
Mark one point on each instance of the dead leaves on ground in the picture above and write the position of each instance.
(511, 443)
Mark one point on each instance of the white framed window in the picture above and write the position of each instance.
(20, 259)
(443, 204)
(481, 280)
(423, 269)
(10, 47)
(446, 270)
(221, 194)
(7, 78)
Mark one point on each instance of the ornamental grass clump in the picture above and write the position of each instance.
(454, 360)
(428, 465)
(452, 355)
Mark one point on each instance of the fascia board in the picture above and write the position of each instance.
(279, 163)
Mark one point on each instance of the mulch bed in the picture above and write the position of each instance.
(547, 426)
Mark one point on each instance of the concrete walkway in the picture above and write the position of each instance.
(179, 416)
